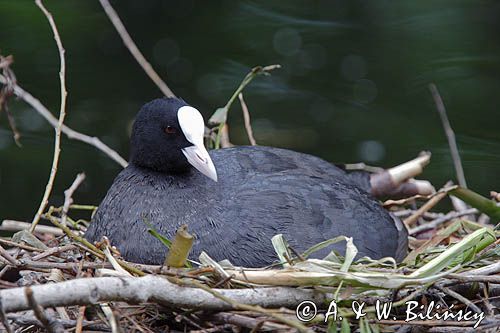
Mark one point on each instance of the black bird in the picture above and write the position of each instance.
(235, 204)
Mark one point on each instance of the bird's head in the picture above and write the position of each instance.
(167, 136)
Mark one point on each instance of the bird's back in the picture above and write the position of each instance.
(261, 192)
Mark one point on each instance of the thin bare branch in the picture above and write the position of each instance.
(6, 255)
(3, 319)
(70, 133)
(12, 225)
(246, 117)
(48, 323)
(68, 196)
(450, 135)
(410, 221)
(62, 115)
(6, 92)
(440, 220)
(129, 43)
(458, 297)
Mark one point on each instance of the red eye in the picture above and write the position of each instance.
(170, 130)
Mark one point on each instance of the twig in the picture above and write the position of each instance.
(426, 322)
(114, 262)
(68, 196)
(246, 117)
(52, 251)
(6, 92)
(4, 254)
(486, 270)
(428, 205)
(458, 204)
(437, 222)
(129, 43)
(62, 115)
(79, 319)
(11, 225)
(50, 324)
(70, 266)
(70, 133)
(85, 242)
(241, 306)
(220, 115)
(3, 318)
(19, 245)
(110, 316)
(458, 297)
(465, 277)
(450, 135)
(240, 320)
(67, 323)
(224, 137)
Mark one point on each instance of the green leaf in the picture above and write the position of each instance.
(475, 242)
(363, 326)
(350, 252)
(157, 235)
(345, 328)
(323, 244)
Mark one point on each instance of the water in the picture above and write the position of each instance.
(353, 86)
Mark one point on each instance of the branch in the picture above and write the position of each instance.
(11, 225)
(410, 221)
(68, 196)
(151, 289)
(246, 117)
(48, 323)
(6, 255)
(450, 135)
(129, 43)
(70, 133)
(25, 320)
(440, 220)
(6, 92)
(62, 115)
(4, 320)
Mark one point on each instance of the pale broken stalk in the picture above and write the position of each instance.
(181, 246)
(389, 180)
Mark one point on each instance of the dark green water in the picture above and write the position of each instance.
(353, 85)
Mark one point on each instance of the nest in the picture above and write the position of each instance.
(53, 280)
(449, 282)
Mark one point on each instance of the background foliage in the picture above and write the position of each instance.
(353, 86)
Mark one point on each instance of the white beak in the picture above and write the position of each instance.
(198, 157)
(193, 127)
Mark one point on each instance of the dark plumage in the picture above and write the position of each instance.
(261, 192)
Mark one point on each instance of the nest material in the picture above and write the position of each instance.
(64, 283)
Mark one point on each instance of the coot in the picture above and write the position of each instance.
(233, 200)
